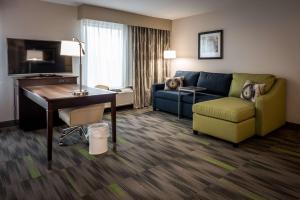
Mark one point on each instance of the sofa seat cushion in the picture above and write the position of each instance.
(215, 83)
(199, 97)
(190, 77)
(169, 94)
(229, 108)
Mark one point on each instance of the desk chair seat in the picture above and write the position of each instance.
(103, 87)
(77, 117)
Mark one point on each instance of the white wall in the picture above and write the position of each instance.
(5, 83)
(260, 36)
(30, 19)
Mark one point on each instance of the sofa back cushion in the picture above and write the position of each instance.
(190, 77)
(215, 83)
(239, 79)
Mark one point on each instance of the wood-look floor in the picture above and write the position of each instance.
(157, 157)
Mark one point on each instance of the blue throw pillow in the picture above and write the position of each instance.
(215, 83)
(190, 78)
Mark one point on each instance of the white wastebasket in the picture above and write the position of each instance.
(98, 134)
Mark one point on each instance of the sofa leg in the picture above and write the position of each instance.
(235, 145)
(195, 132)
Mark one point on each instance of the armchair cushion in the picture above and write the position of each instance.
(229, 109)
(238, 81)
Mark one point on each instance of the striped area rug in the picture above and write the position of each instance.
(157, 157)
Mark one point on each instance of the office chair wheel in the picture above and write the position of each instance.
(61, 143)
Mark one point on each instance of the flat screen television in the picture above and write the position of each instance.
(36, 56)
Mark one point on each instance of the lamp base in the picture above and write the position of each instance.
(80, 92)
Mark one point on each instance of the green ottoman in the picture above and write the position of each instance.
(229, 118)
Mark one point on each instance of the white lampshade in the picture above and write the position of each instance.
(70, 48)
(169, 54)
(34, 55)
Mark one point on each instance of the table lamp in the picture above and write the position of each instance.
(169, 54)
(75, 48)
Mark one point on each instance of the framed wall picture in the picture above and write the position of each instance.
(210, 45)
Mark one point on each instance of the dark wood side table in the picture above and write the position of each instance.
(54, 97)
(191, 89)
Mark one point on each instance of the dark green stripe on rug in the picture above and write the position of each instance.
(218, 163)
(116, 189)
(72, 183)
(285, 151)
(129, 164)
(32, 169)
(197, 139)
(240, 190)
(85, 153)
(121, 140)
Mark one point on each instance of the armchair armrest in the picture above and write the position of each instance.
(271, 109)
(155, 88)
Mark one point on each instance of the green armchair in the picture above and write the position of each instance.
(235, 119)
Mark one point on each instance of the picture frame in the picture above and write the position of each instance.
(210, 45)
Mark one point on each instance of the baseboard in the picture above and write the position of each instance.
(291, 125)
(9, 123)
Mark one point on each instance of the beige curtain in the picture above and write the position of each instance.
(149, 67)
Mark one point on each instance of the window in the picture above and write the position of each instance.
(106, 60)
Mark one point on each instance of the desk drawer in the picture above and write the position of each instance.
(47, 81)
(66, 80)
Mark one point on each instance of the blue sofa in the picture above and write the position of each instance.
(217, 86)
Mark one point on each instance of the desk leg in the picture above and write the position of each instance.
(179, 105)
(113, 120)
(194, 97)
(49, 136)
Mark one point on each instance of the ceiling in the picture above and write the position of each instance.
(167, 9)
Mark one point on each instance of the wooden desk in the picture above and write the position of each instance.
(31, 115)
(54, 97)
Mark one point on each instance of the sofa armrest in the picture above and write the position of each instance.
(271, 109)
(155, 88)
(158, 86)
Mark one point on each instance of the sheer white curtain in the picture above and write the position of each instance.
(106, 59)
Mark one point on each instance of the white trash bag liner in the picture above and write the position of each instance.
(98, 134)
